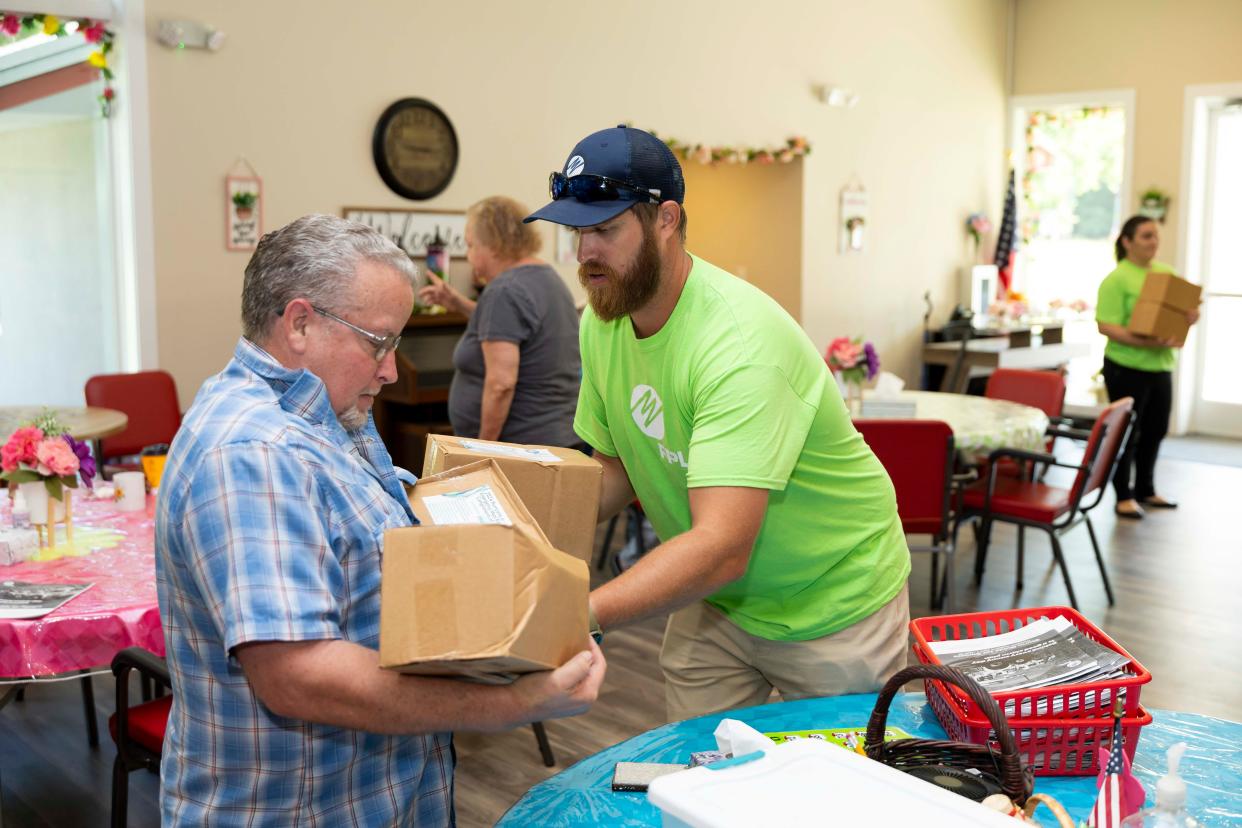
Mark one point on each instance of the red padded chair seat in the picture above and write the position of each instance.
(147, 723)
(1018, 498)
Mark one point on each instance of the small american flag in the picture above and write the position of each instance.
(1007, 239)
(1111, 806)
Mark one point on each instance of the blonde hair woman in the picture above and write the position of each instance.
(517, 364)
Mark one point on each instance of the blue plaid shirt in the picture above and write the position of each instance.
(269, 528)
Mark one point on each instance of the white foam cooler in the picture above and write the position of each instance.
(809, 782)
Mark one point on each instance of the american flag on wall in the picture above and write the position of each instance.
(1111, 805)
(1007, 238)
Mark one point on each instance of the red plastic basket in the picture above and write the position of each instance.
(1088, 700)
(1050, 746)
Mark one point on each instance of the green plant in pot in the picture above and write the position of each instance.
(244, 202)
(1154, 203)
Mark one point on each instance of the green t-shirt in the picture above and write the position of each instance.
(731, 392)
(1118, 294)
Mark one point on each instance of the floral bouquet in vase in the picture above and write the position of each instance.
(854, 362)
(44, 463)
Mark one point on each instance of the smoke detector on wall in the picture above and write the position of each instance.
(186, 34)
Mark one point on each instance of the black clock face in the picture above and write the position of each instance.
(415, 148)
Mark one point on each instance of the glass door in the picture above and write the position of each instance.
(1071, 155)
(59, 291)
(1218, 399)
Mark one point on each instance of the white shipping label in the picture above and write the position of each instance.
(477, 505)
(540, 455)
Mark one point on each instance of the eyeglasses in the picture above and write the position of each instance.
(596, 188)
(384, 345)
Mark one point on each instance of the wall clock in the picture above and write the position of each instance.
(415, 148)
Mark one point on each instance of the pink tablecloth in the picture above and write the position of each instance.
(116, 552)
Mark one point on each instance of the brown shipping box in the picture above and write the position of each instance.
(1171, 291)
(465, 595)
(1160, 321)
(560, 486)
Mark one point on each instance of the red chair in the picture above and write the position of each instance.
(1055, 510)
(149, 400)
(139, 730)
(1044, 390)
(918, 456)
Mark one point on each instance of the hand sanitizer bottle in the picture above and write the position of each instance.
(1170, 808)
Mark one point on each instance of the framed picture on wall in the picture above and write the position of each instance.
(412, 230)
(243, 211)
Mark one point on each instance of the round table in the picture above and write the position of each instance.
(115, 552)
(88, 423)
(582, 794)
(979, 424)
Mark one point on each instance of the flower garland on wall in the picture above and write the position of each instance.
(794, 147)
(15, 27)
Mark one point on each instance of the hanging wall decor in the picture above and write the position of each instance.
(794, 147)
(243, 207)
(853, 217)
(412, 229)
(15, 26)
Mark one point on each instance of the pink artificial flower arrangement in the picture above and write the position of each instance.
(978, 226)
(32, 453)
(854, 359)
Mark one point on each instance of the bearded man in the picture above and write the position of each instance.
(782, 560)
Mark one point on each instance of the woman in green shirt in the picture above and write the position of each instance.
(1137, 366)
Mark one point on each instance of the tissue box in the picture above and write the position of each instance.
(889, 409)
(560, 486)
(477, 591)
(17, 545)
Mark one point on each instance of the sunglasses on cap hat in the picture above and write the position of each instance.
(589, 188)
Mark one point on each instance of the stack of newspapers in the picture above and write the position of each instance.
(1046, 652)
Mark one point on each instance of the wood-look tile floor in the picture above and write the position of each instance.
(1177, 576)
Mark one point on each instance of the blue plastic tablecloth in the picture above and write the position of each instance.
(582, 794)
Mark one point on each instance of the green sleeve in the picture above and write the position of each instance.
(749, 429)
(1110, 303)
(591, 418)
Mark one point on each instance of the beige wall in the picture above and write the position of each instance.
(748, 219)
(297, 93)
(1154, 47)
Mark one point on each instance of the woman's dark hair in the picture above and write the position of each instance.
(1133, 223)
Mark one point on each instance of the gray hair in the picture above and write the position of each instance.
(316, 258)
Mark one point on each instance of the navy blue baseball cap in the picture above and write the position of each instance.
(607, 173)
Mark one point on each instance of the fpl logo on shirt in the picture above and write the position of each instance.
(647, 409)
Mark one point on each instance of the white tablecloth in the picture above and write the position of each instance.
(979, 424)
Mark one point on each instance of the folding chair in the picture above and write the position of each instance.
(1053, 509)
(918, 456)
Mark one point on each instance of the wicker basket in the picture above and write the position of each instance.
(1016, 780)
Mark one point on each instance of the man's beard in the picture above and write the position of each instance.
(352, 418)
(622, 294)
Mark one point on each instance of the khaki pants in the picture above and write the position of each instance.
(710, 664)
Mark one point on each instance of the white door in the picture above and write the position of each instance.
(1218, 394)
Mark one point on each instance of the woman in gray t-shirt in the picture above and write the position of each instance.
(517, 365)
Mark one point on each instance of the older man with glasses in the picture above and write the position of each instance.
(782, 560)
(275, 499)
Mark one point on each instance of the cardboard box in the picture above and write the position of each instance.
(477, 591)
(560, 486)
(1161, 321)
(1170, 291)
